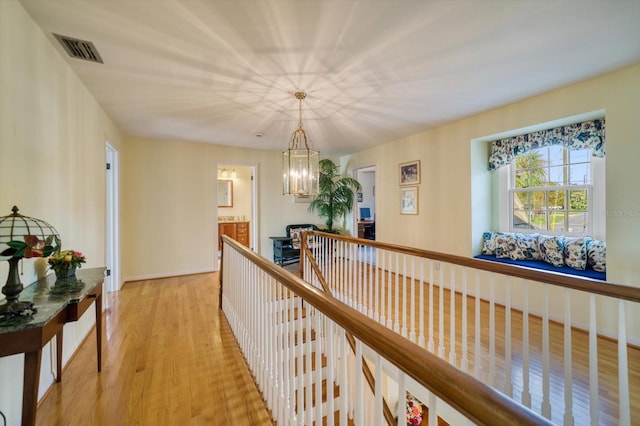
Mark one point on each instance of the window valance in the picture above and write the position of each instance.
(588, 134)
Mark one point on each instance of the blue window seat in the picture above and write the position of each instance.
(540, 264)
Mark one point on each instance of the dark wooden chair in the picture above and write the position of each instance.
(287, 249)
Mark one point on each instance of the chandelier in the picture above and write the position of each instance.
(300, 170)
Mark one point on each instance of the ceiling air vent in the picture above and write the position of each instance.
(79, 49)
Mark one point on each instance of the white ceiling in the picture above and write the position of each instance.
(375, 70)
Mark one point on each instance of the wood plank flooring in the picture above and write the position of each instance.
(169, 359)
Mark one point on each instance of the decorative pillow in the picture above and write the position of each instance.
(551, 249)
(525, 247)
(295, 234)
(502, 244)
(597, 255)
(488, 242)
(575, 252)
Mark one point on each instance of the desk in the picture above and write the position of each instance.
(283, 251)
(367, 229)
(29, 334)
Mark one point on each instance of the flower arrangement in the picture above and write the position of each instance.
(414, 412)
(65, 262)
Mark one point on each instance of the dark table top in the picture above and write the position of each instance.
(51, 295)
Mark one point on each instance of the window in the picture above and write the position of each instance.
(551, 191)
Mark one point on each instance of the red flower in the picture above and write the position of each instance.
(35, 246)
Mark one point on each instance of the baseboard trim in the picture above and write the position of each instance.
(167, 275)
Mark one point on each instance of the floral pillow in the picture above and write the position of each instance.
(575, 252)
(503, 246)
(597, 255)
(551, 249)
(295, 234)
(525, 247)
(488, 242)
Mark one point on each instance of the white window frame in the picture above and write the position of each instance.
(596, 218)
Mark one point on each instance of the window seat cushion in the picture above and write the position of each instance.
(540, 264)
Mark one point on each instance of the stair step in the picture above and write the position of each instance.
(336, 394)
(313, 363)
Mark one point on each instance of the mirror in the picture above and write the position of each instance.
(225, 193)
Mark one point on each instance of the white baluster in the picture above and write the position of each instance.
(477, 330)
(404, 296)
(300, 361)
(492, 331)
(441, 312)
(389, 289)
(431, 344)
(452, 317)
(593, 362)
(318, 361)
(357, 300)
(546, 402)
(421, 340)
(465, 330)
(268, 348)
(401, 411)
(308, 344)
(433, 409)
(344, 386)
(568, 379)
(508, 386)
(412, 302)
(382, 283)
(526, 391)
(330, 374)
(358, 378)
(377, 413)
(396, 324)
(359, 280)
(289, 359)
(371, 285)
(623, 369)
(278, 349)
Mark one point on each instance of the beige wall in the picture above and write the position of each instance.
(456, 202)
(169, 205)
(52, 166)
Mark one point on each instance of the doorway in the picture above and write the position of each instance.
(237, 213)
(366, 203)
(112, 280)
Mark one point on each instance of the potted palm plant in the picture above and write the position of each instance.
(336, 194)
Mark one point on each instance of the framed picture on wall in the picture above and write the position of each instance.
(410, 173)
(359, 197)
(409, 200)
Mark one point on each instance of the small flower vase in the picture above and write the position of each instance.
(65, 273)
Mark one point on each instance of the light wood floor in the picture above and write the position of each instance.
(169, 359)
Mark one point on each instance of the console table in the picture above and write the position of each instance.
(29, 334)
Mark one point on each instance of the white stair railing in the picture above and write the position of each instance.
(527, 333)
(295, 336)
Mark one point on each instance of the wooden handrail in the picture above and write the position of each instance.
(477, 401)
(589, 285)
(388, 415)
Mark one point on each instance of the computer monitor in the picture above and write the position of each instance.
(365, 213)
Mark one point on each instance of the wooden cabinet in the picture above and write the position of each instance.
(239, 231)
(367, 229)
(242, 233)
